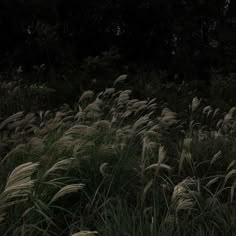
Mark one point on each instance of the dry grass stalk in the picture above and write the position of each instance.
(72, 188)
(85, 233)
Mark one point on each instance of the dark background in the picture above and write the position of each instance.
(73, 43)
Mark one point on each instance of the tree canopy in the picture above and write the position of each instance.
(187, 37)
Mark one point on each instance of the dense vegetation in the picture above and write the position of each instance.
(117, 165)
(117, 118)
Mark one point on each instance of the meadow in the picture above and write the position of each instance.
(113, 164)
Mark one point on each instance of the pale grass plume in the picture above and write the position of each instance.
(58, 116)
(131, 103)
(183, 198)
(24, 123)
(16, 194)
(85, 233)
(77, 131)
(206, 110)
(168, 114)
(93, 111)
(79, 147)
(230, 174)
(228, 118)
(12, 118)
(138, 104)
(149, 147)
(140, 110)
(122, 136)
(140, 124)
(195, 104)
(185, 204)
(120, 79)
(179, 191)
(182, 188)
(68, 189)
(124, 98)
(21, 174)
(59, 166)
(152, 106)
(161, 154)
(126, 114)
(216, 157)
(102, 124)
(151, 134)
(19, 185)
(68, 119)
(168, 117)
(82, 147)
(216, 112)
(17, 125)
(160, 165)
(232, 164)
(109, 92)
(152, 101)
(80, 116)
(87, 95)
(103, 168)
(64, 143)
(43, 115)
(212, 181)
(30, 117)
(232, 112)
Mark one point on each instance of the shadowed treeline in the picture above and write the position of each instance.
(186, 38)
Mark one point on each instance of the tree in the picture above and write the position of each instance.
(181, 37)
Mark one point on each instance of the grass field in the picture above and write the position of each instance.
(114, 165)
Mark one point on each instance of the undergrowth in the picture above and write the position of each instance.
(117, 165)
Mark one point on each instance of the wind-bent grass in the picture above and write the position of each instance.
(115, 165)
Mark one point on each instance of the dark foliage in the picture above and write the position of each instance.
(187, 38)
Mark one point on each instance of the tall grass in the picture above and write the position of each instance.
(117, 165)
